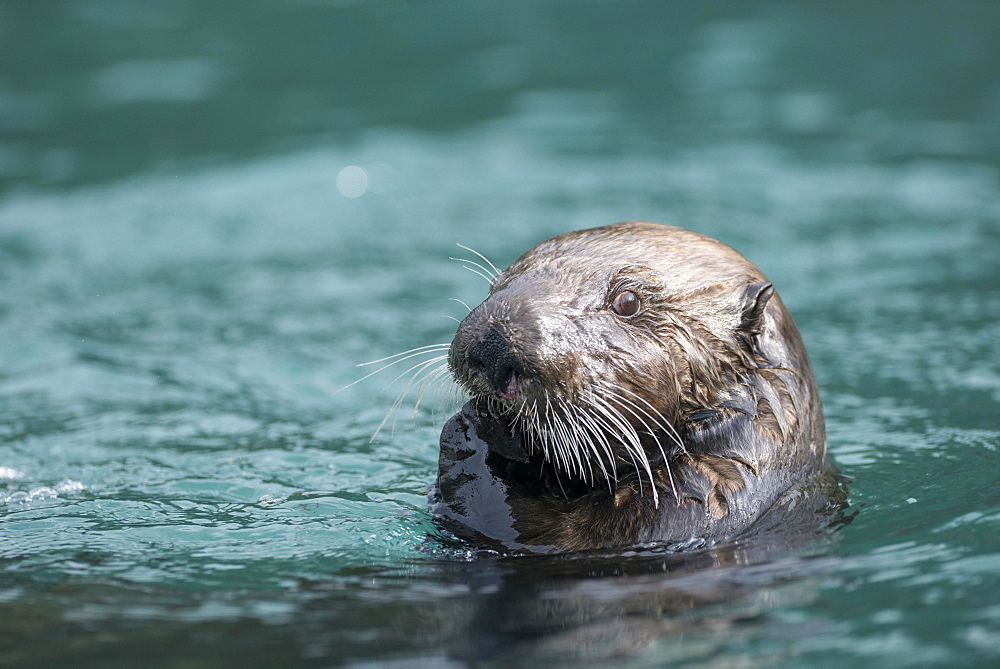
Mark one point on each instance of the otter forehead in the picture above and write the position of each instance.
(679, 260)
(572, 281)
(573, 276)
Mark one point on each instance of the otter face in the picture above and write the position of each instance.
(629, 384)
(558, 331)
(598, 346)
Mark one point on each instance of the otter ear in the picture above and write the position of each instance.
(755, 299)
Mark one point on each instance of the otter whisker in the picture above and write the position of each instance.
(631, 441)
(475, 271)
(573, 444)
(496, 272)
(415, 380)
(645, 457)
(610, 423)
(542, 431)
(445, 392)
(455, 299)
(560, 455)
(419, 384)
(534, 427)
(480, 270)
(669, 429)
(571, 455)
(652, 433)
(538, 424)
(576, 445)
(431, 380)
(630, 449)
(617, 419)
(583, 442)
(439, 347)
(459, 393)
(400, 357)
(595, 441)
(442, 385)
(556, 431)
(419, 366)
(529, 421)
(662, 422)
(640, 414)
(416, 375)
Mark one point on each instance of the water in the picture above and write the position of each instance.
(186, 286)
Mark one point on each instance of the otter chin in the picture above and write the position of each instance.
(635, 384)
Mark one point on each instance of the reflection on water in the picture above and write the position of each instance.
(181, 475)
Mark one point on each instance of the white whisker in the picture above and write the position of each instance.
(407, 355)
(477, 272)
(431, 380)
(496, 272)
(657, 418)
(410, 353)
(631, 441)
(419, 374)
(455, 299)
(418, 366)
(473, 263)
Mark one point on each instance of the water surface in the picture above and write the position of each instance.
(189, 274)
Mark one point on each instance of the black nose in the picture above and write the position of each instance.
(494, 355)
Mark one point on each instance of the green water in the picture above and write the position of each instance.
(186, 287)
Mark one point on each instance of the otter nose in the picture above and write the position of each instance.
(494, 355)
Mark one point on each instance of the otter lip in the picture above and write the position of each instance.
(510, 393)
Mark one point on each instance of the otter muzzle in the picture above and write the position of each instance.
(494, 357)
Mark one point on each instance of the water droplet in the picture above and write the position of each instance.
(269, 499)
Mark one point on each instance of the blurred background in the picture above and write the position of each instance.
(210, 212)
(94, 90)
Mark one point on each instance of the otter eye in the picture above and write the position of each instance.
(626, 303)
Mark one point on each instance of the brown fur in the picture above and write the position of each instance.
(708, 386)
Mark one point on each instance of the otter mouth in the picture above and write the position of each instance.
(579, 447)
(510, 392)
(494, 361)
(559, 461)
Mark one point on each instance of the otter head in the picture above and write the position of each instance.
(600, 345)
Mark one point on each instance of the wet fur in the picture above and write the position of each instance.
(718, 416)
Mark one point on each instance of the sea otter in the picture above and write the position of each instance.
(632, 384)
